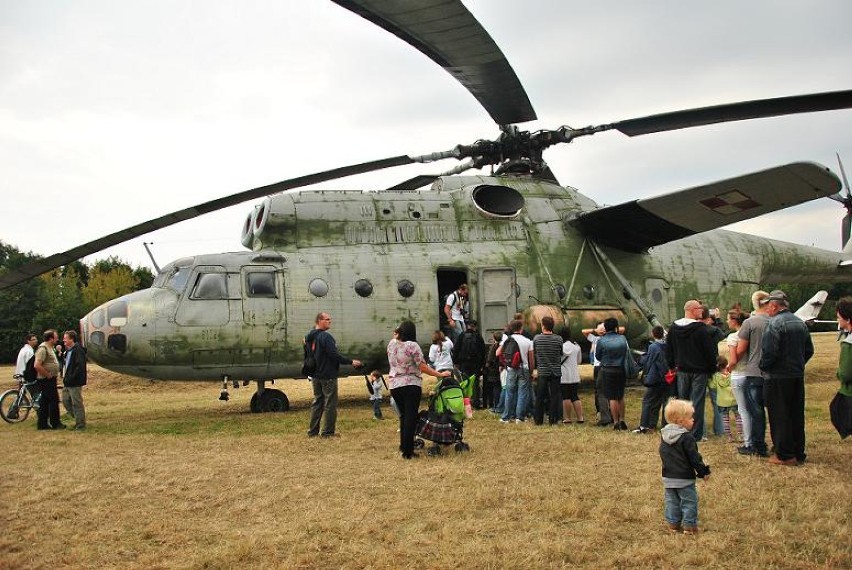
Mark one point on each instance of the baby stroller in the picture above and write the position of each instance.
(443, 422)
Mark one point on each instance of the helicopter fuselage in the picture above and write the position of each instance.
(372, 259)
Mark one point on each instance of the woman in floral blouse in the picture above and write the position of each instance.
(407, 366)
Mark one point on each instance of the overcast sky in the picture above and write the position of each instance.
(112, 113)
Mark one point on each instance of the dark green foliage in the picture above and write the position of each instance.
(54, 300)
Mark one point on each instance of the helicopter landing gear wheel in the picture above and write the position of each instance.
(274, 401)
(269, 401)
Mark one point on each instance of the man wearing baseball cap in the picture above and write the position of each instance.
(786, 347)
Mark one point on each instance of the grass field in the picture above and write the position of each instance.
(167, 476)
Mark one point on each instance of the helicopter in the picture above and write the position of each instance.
(520, 239)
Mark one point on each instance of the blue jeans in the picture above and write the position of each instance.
(456, 331)
(377, 409)
(692, 386)
(754, 404)
(718, 429)
(681, 506)
(501, 402)
(517, 393)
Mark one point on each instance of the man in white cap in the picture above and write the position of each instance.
(786, 347)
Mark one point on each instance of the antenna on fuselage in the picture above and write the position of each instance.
(151, 255)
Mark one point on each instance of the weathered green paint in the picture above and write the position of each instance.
(384, 237)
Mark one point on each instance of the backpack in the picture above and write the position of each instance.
(468, 349)
(309, 365)
(511, 357)
(29, 370)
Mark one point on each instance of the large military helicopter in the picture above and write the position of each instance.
(516, 236)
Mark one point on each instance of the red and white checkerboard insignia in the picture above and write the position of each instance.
(729, 203)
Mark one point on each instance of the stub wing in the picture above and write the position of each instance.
(641, 224)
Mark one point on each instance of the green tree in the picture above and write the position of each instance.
(107, 282)
(144, 277)
(60, 304)
(18, 304)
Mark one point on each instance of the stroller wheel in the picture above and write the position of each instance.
(434, 451)
(461, 447)
(419, 443)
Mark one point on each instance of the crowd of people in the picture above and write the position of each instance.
(758, 378)
(54, 361)
(757, 375)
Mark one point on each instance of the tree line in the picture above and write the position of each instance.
(59, 298)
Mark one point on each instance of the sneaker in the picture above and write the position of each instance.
(746, 450)
(674, 528)
(641, 429)
(690, 530)
(519, 421)
(622, 425)
(502, 421)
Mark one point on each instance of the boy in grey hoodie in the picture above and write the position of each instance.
(681, 465)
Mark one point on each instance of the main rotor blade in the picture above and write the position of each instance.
(40, 266)
(734, 112)
(452, 37)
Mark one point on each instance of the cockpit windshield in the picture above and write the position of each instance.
(174, 276)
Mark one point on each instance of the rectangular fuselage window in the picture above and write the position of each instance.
(211, 286)
(260, 284)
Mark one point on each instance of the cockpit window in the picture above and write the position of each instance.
(211, 286)
(260, 284)
(178, 279)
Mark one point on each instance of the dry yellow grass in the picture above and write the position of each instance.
(169, 477)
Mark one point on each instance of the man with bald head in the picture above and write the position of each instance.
(691, 349)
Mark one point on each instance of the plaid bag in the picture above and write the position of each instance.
(437, 428)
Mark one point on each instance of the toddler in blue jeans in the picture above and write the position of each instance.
(681, 465)
(375, 383)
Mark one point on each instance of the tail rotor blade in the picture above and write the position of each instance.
(843, 175)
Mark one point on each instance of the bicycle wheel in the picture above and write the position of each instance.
(11, 409)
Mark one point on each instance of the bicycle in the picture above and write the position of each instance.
(15, 404)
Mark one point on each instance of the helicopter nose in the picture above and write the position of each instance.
(120, 332)
(103, 329)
